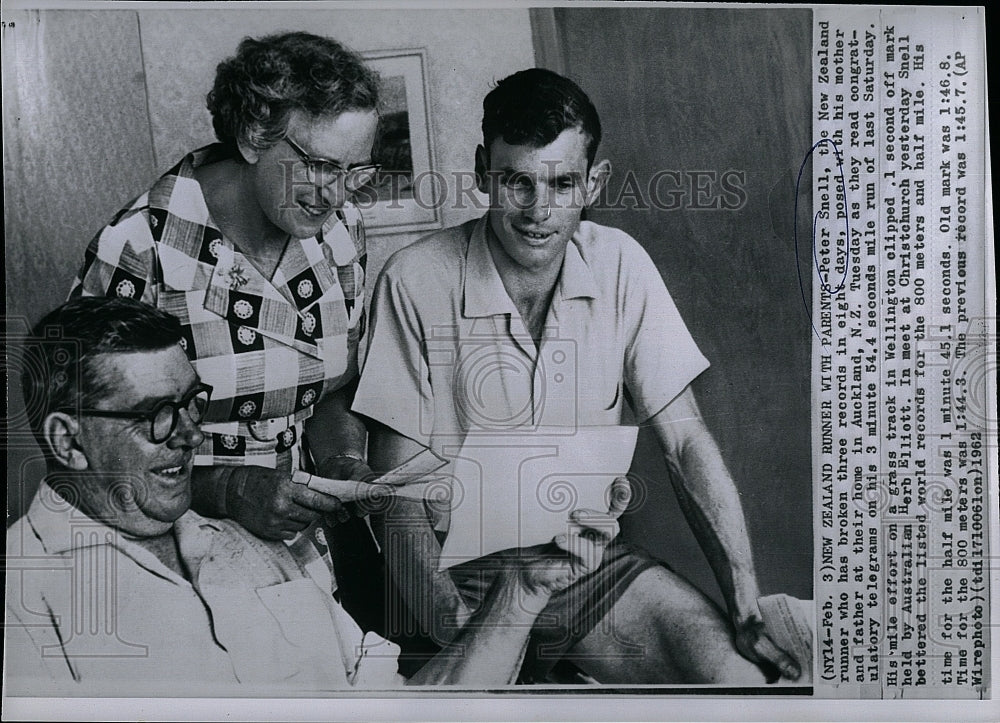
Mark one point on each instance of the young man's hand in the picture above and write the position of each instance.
(544, 570)
(754, 644)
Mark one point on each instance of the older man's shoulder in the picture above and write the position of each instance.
(22, 539)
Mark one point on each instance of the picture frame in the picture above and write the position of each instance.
(406, 197)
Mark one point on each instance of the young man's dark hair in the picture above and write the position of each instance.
(532, 107)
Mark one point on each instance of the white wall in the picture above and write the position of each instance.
(467, 51)
(76, 143)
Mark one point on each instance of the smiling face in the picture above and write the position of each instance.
(126, 480)
(287, 198)
(536, 197)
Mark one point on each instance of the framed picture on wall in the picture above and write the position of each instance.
(407, 192)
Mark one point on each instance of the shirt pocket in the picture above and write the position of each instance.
(600, 395)
(312, 645)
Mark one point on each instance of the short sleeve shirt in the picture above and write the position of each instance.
(449, 355)
(270, 348)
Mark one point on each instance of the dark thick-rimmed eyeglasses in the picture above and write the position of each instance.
(323, 172)
(164, 416)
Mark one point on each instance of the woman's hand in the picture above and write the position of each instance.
(270, 505)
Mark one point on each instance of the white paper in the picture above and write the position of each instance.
(789, 623)
(403, 480)
(414, 469)
(518, 490)
(348, 490)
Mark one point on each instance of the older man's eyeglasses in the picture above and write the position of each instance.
(163, 417)
(323, 172)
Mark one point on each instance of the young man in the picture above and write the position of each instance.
(467, 326)
(115, 588)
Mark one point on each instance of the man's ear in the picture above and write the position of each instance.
(482, 170)
(60, 431)
(250, 154)
(597, 179)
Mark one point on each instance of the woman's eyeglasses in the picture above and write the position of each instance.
(324, 173)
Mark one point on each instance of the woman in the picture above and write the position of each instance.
(253, 244)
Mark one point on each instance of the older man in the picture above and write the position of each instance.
(468, 326)
(114, 587)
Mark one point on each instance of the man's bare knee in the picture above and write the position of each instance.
(683, 636)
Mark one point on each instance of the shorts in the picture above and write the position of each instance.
(571, 614)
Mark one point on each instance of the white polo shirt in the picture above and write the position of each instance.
(449, 356)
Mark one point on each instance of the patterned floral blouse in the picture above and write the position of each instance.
(269, 348)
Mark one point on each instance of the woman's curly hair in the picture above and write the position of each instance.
(269, 77)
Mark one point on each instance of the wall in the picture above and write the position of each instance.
(463, 62)
(76, 144)
(738, 97)
(97, 104)
(76, 147)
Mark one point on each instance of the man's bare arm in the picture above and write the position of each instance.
(490, 647)
(711, 504)
(410, 547)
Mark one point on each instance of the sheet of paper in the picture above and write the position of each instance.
(414, 469)
(348, 490)
(789, 623)
(518, 490)
(403, 480)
